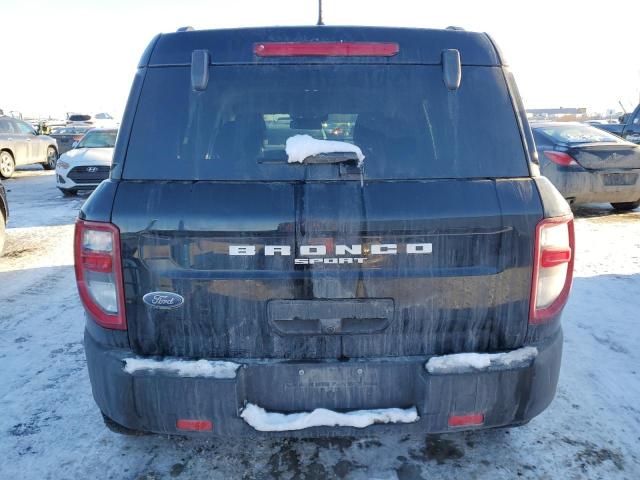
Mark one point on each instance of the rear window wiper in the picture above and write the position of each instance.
(333, 157)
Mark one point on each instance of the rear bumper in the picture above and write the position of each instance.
(153, 401)
(584, 186)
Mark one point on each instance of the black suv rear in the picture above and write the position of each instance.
(234, 283)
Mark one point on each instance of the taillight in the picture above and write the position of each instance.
(99, 272)
(553, 260)
(326, 49)
(560, 158)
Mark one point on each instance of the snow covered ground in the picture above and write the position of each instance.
(50, 427)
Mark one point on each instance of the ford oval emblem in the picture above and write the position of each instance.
(163, 300)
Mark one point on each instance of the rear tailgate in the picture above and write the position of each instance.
(445, 266)
(416, 252)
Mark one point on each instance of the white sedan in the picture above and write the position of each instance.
(88, 163)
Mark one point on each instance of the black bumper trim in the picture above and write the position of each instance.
(152, 401)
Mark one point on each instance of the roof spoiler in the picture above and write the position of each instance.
(199, 70)
(451, 69)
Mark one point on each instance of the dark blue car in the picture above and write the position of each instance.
(244, 271)
(588, 165)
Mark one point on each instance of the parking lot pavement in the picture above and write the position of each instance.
(50, 427)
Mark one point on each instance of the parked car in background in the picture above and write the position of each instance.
(4, 216)
(66, 136)
(21, 145)
(101, 120)
(629, 129)
(587, 164)
(88, 163)
(241, 272)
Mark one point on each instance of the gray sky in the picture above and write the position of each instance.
(64, 55)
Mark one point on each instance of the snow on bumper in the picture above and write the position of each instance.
(461, 362)
(386, 389)
(264, 421)
(185, 368)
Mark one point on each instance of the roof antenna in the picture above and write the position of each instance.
(320, 22)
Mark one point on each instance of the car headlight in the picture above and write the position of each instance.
(62, 164)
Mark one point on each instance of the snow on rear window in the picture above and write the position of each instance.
(300, 147)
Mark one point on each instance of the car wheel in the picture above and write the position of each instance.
(2, 233)
(68, 193)
(7, 164)
(52, 159)
(626, 206)
(115, 427)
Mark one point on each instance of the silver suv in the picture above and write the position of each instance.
(21, 145)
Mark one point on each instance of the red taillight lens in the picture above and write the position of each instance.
(99, 272)
(552, 268)
(326, 49)
(560, 158)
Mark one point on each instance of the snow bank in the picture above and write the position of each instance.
(264, 421)
(479, 361)
(184, 368)
(300, 147)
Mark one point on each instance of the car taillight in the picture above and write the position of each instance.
(560, 158)
(553, 260)
(326, 49)
(99, 272)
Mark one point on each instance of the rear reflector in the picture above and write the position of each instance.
(326, 49)
(551, 257)
(194, 425)
(553, 260)
(462, 420)
(560, 158)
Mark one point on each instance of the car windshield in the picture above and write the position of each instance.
(99, 139)
(574, 134)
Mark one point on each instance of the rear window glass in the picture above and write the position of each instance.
(404, 119)
(575, 134)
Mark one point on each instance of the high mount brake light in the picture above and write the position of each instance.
(326, 49)
(99, 272)
(560, 158)
(552, 267)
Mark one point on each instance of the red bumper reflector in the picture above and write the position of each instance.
(194, 425)
(326, 49)
(462, 420)
(551, 257)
